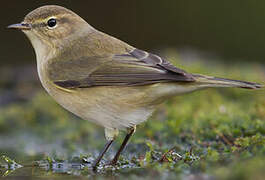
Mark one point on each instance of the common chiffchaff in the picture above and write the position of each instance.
(102, 79)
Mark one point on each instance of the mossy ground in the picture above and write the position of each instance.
(206, 134)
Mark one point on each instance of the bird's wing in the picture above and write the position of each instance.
(133, 68)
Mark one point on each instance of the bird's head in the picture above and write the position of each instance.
(50, 27)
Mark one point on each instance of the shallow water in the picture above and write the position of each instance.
(65, 169)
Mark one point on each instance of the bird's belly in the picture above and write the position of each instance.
(110, 107)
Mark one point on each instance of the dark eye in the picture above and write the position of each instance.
(51, 23)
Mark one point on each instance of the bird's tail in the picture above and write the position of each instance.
(209, 81)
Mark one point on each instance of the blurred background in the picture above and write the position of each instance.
(222, 38)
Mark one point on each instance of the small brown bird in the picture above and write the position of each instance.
(102, 79)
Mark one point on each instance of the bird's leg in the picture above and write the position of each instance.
(110, 134)
(131, 131)
(106, 147)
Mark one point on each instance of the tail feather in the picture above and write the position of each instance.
(222, 82)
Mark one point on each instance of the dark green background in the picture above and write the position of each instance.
(232, 30)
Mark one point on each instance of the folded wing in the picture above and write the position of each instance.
(131, 69)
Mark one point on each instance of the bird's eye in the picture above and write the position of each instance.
(52, 23)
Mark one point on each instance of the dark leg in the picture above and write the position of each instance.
(106, 147)
(125, 141)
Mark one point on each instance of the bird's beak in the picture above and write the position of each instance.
(20, 26)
